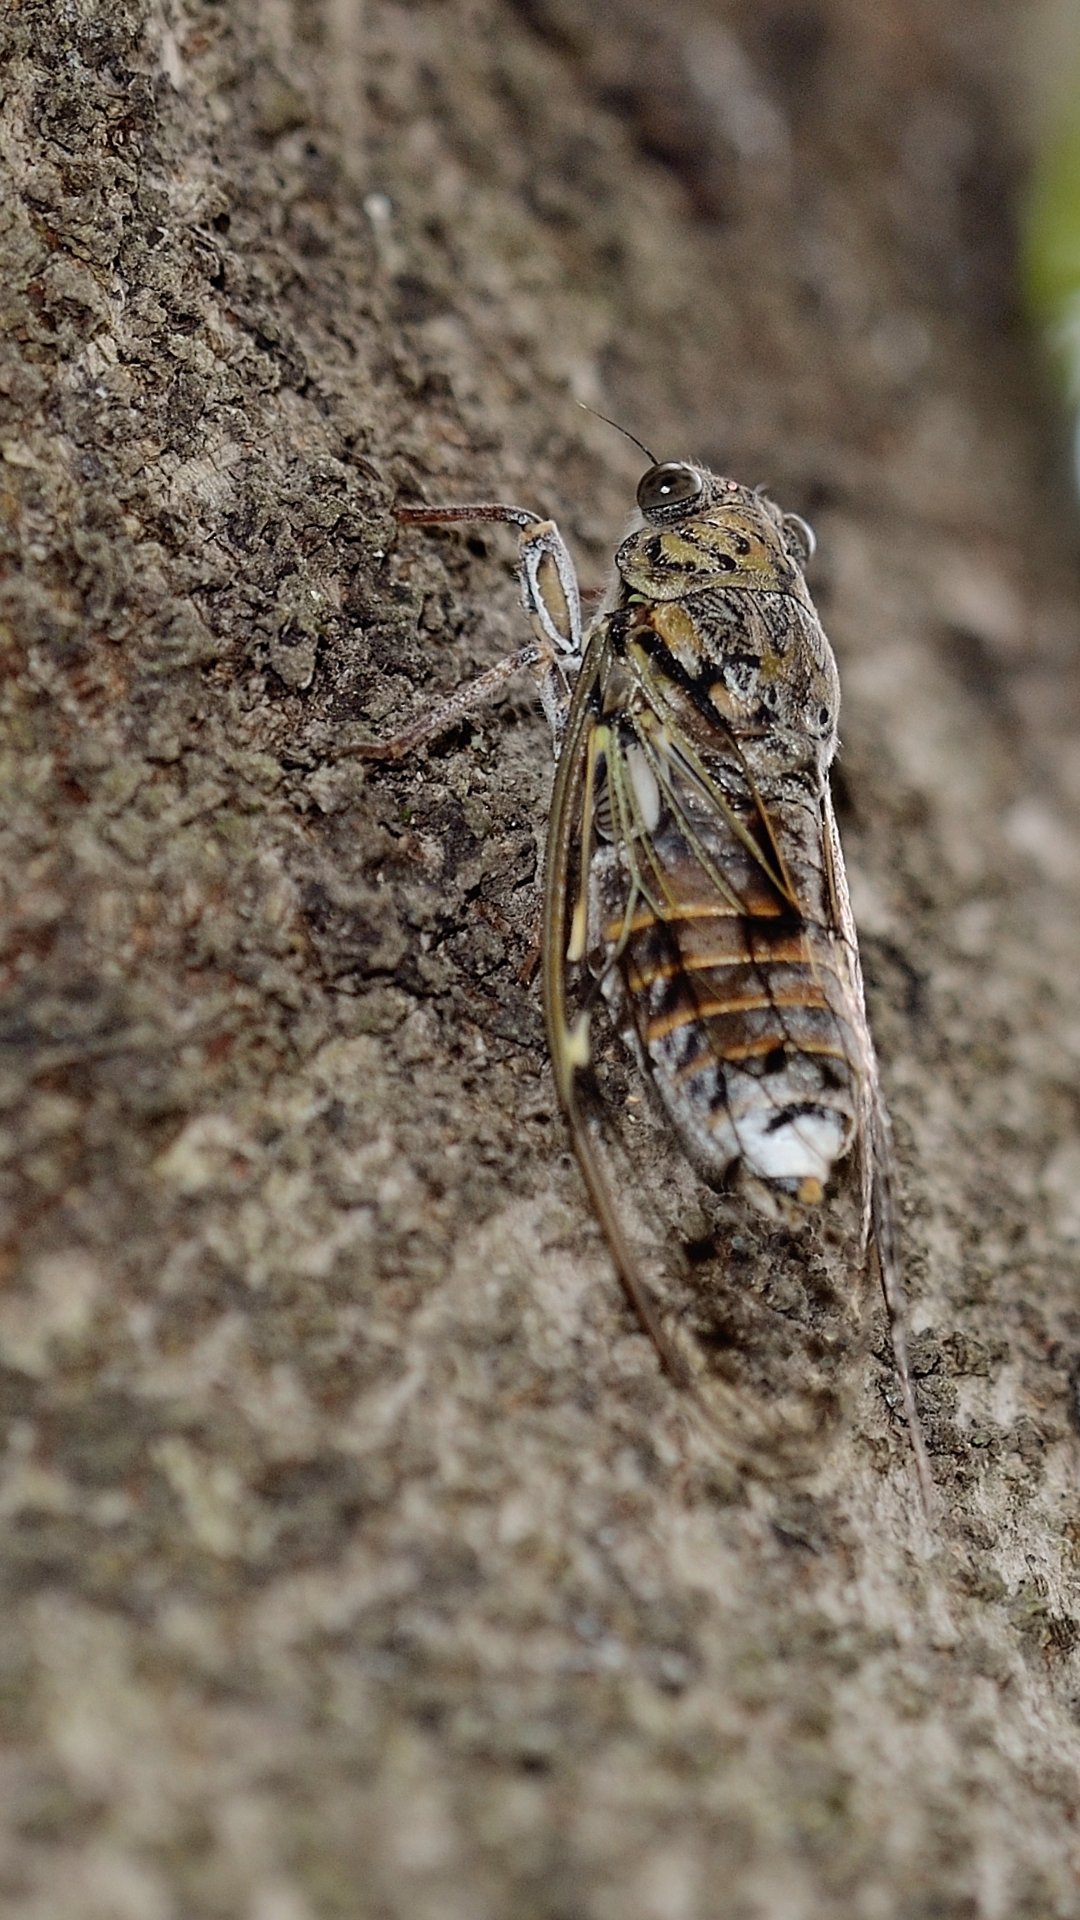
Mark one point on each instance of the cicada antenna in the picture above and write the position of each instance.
(625, 431)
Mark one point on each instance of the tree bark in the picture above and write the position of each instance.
(358, 1558)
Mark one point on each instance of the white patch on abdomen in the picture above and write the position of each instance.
(806, 1147)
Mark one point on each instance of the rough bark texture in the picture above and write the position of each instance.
(357, 1560)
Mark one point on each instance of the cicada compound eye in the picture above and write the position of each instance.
(673, 484)
(800, 537)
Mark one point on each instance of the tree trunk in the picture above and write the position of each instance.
(359, 1558)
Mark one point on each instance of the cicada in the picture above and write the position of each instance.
(694, 886)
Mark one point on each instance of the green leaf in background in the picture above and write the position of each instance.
(1051, 250)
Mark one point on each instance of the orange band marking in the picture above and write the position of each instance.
(617, 930)
(807, 996)
(784, 953)
(756, 1050)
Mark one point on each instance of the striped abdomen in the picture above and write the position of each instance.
(744, 1019)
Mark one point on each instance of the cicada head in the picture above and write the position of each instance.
(700, 531)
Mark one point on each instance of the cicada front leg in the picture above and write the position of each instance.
(550, 596)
